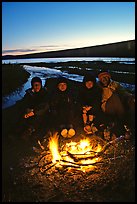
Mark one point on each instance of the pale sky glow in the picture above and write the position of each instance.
(31, 27)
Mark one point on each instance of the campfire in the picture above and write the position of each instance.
(63, 166)
(83, 154)
(80, 155)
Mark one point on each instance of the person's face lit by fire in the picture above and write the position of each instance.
(36, 86)
(62, 86)
(89, 84)
(105, 80)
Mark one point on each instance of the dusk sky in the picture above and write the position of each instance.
(31, 27)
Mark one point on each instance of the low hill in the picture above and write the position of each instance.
(119, 49)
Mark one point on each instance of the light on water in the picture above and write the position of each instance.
(45, 73)
(66, 59)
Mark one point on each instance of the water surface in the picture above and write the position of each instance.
(66, 59)
(43, 73)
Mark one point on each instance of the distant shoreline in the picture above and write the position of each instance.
(119, 49)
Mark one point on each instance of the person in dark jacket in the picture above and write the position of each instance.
(62, 108)
(35, 98)
(35, 106)
(90, 102)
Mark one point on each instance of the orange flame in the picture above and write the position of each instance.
(53, 146)
(82, 149)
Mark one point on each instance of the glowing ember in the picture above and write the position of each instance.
(84, 144)
(75, 154)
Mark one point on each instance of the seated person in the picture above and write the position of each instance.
(116, 101)
(35, 106)
(90, 101)
(62, 108)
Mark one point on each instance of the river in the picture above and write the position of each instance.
(45, 73)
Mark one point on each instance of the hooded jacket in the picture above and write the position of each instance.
(62, 103)
(91, 97)
(62, 100)
(38, 101)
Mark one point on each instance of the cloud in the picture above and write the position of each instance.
(53, 46)
(18, 50)
(36, 49)
(49, 46)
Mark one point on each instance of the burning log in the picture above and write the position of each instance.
(96, 154)
(85, 154)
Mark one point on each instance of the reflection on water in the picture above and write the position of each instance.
(43, 73)
(66, 59)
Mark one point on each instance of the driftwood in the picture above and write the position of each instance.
(97, 154)
(77, 157)
(43, 170)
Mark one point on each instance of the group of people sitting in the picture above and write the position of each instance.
(97, 102)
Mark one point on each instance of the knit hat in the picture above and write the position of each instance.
(103, 74)
(62, 80)
(89, 77)
(36, 79)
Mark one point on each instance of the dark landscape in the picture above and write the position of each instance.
(13, 76)
(22, 179)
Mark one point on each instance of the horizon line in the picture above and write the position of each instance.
(59, 50)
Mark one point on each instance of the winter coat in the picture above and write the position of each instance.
(38, 101)
(91, 97)
(114, 90)
(62, 107)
